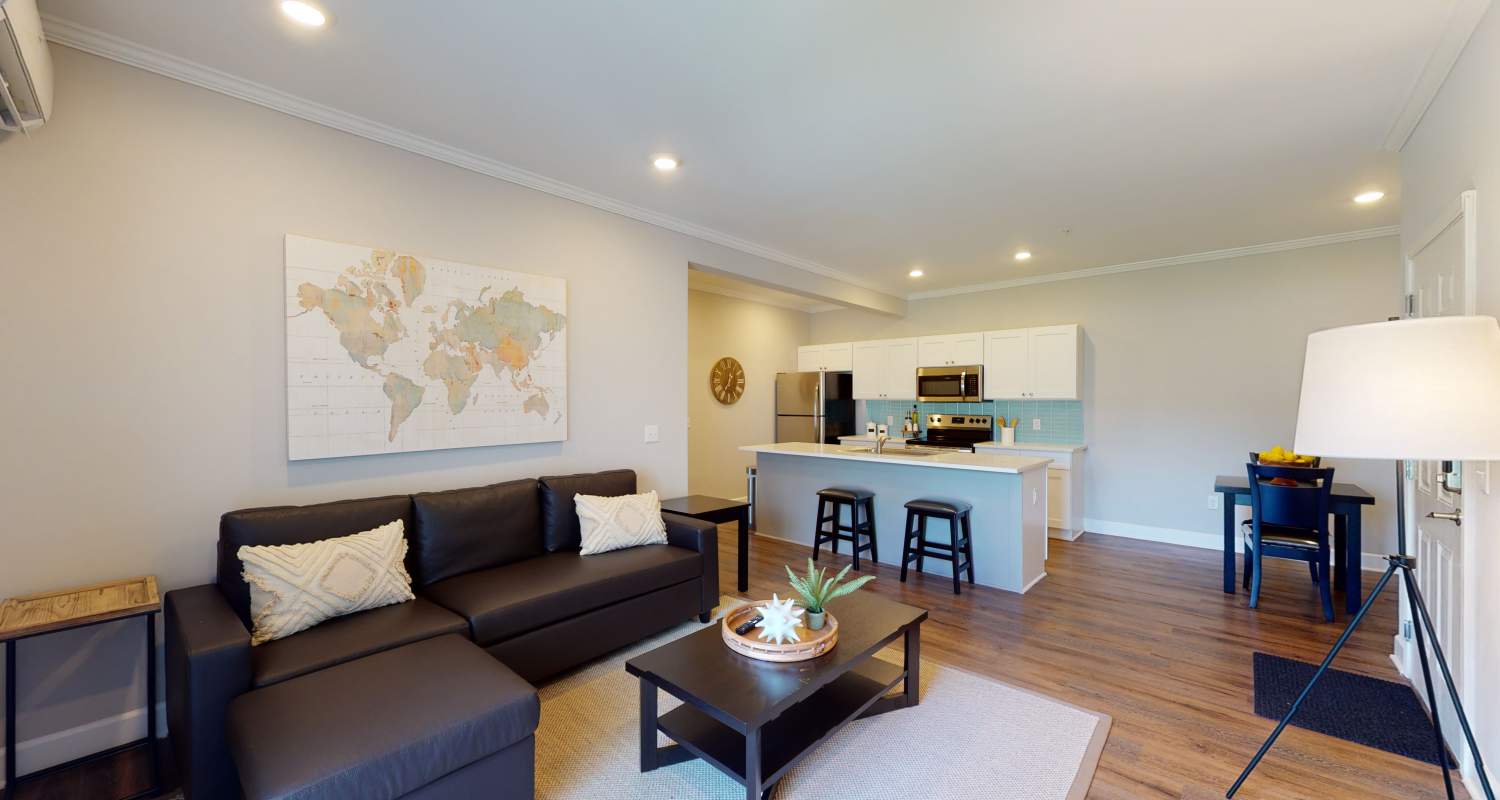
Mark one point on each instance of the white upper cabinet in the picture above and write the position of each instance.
(868, 359)
(1033, 363)
(953, 350)
(825, 358)
(1056, 363)
(1007, 365)
(809, 358)
(901, 369)
(885, 369)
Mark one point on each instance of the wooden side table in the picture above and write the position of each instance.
(718, 511)
(50, 612)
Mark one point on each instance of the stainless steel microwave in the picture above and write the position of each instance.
(950, 384)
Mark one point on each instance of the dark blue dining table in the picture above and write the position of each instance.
(1345, 506)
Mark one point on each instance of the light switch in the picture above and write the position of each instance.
(653, 434)
(1036, 424)
(1213, 502)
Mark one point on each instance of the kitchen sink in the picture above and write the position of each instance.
(893, 451)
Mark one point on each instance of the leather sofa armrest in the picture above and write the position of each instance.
(703, 537)
(208, 665)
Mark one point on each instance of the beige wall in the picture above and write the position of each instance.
(1457, 147)
(1185, 369)
(764, 339)
(143, 339)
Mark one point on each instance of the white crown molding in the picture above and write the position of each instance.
(816, 308)
(1171, 261)
(114, 48)
(1461, 24)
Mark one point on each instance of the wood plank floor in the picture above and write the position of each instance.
(1143, 632)
(1137, 630)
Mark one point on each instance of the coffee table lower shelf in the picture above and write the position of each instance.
(860, 692)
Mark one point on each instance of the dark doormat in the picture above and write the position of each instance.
(1356, 708)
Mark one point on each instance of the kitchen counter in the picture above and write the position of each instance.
(1008, 494)
(1050, 447)
(979, 462)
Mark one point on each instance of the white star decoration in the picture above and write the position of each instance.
(778, 621)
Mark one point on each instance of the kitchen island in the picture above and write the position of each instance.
(1008, 492)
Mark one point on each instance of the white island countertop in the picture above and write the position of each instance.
(1050, 447)
(978, 462)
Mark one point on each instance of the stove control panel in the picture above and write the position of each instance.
(960, 421)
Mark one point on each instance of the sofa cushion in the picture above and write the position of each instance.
(379, 727)
(560, 518)
(351, 637)
(508, 601)
(463, 530)
(295, 525)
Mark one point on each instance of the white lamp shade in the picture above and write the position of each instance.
(1425, 389)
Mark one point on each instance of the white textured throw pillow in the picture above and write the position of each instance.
(296, 586)
(615, 523)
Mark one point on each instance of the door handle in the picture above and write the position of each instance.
(1456, 516)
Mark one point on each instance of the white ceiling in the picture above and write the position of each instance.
(871, 136)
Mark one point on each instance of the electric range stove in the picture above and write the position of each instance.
(955, 432)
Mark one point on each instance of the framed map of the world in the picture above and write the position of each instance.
(388, 352)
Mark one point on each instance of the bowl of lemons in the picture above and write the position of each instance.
(1281, 457)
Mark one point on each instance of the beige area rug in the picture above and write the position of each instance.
(969, 737)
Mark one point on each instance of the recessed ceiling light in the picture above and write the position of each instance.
(303, 13)
(1368, 197)
(664, 163)
(916, 273)
(1022, 255)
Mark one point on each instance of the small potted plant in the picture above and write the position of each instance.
(817, 590)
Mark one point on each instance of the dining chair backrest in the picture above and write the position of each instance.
(1303, 505)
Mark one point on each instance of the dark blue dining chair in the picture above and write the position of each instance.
(1289, 521)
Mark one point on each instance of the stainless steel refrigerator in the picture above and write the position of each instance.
(814, 406)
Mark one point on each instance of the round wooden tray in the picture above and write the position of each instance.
(813, 644)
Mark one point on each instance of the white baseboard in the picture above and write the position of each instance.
(41, 752)
(1369, 562)
(1152, 533)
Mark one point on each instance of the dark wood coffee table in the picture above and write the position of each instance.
(754, 720)
(719, 511)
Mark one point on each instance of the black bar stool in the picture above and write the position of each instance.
(960, 552)
(856, 499)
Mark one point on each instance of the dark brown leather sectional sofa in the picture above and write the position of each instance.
(401, 701)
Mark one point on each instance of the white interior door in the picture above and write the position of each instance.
(1441, 273)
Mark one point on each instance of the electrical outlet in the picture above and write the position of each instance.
(1036, 424)
(653, 434)
(1213, 502)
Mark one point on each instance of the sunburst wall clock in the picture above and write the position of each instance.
(727, 380)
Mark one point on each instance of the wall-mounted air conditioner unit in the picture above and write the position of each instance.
(25, 67)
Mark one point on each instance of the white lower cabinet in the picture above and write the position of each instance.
(1064, 483)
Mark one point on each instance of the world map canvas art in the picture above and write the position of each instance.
(389, 352)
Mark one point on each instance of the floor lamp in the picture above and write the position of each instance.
(1417, 389)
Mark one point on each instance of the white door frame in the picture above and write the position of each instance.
(1475, 478)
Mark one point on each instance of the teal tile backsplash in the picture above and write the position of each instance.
(1062, 420)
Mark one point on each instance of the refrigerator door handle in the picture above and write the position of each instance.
(817, 408)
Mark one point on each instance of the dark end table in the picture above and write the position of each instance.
(718, 511)
(755, 720)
